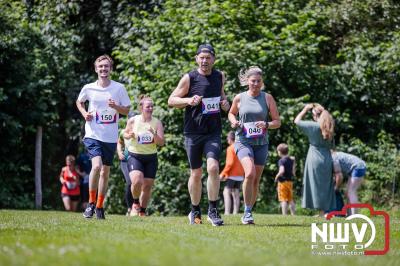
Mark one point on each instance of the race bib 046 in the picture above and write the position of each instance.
(106, 116)
(251, 131)
(210, 105)
(145, 138)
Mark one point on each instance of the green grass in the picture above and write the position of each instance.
(60, 238)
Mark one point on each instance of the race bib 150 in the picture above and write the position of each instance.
(106, 116)
(210, 105)
(251, 131)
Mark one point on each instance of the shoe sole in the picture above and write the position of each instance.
(243, 222)
(214, 224)
(134, 212)
(87, 217)
(190, 221)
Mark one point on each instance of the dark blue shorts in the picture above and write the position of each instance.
(145, 163)
(198, 145)
(358, 172)
(96, 148)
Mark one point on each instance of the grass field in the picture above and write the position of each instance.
(60, 238)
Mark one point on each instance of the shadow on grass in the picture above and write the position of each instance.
(285, 225)
(267, 225)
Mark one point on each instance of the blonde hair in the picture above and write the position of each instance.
(104, 57)
(245, 74)
(142, 99)
(326, 122)
(70, 158)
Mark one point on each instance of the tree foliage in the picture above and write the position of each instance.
(342, 54)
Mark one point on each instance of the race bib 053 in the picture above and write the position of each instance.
(145, 138)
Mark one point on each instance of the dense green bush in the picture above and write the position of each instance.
(295, 43)
(381, 185)
(342, 54)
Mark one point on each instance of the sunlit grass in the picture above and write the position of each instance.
(60, 238)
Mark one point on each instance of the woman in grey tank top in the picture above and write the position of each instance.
(249, 115)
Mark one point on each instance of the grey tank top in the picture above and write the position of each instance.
(252, 109)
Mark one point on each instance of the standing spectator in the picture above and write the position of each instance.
(69, 179)
(83, 168)
(318, 185)
(284, 177)
(233, 175)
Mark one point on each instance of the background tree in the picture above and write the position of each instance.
(342, 54)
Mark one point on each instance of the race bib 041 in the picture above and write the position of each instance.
(210, 105)
(251, 131)
(106, 116)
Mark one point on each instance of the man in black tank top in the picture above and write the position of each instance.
(201, 93)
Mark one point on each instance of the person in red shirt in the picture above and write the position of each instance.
(233, 174)
(69, 179)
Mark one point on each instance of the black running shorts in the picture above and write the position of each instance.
(198, 146)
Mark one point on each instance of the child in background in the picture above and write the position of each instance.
(284, 177)
(233, 174)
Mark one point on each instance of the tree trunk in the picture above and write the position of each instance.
(38, 168)
(393, 188)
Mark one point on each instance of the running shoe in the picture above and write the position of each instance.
(100, 213)
(135, 210)
(89, 211)
(247, 218)
(142, 214)
(194, 217)
(214, 218)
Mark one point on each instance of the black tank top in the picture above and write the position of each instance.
(197, 123)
